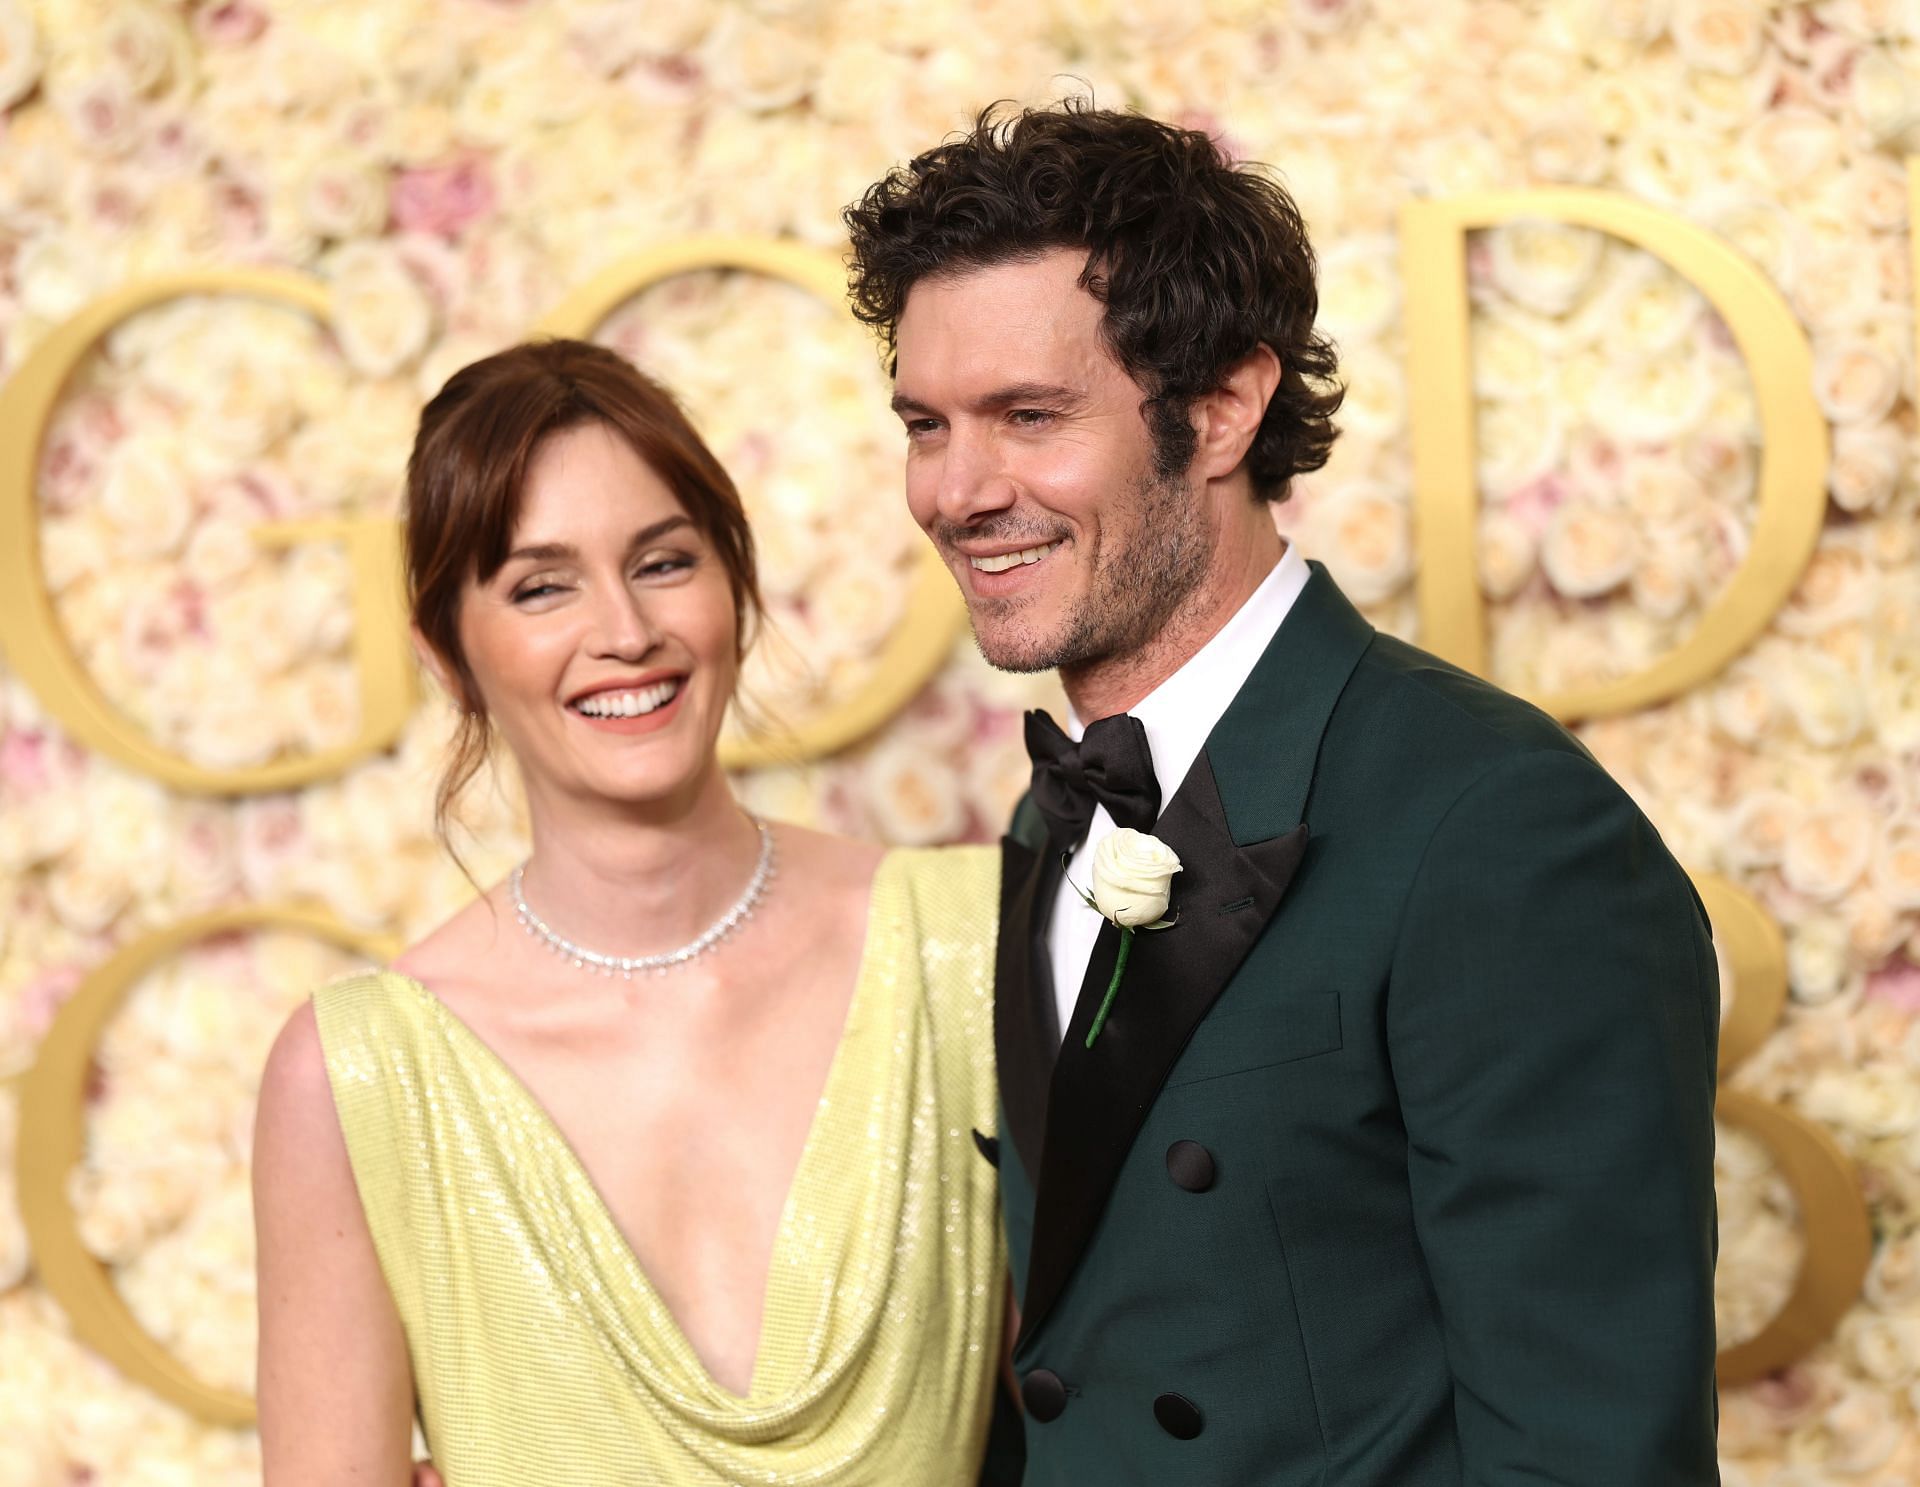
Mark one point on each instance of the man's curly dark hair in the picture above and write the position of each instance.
(1196, 260)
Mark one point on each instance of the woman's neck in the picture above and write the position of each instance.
(643, 880)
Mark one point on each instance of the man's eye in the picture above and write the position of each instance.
(916, 427)
(1030, 417)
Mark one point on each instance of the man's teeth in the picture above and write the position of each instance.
(1006, 560)
(629, 704)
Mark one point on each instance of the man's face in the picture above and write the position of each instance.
(1031, 467)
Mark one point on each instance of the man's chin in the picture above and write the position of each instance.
(1017, 648)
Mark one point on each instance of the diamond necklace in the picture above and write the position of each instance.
(626, 965)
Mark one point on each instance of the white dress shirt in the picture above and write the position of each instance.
(1177, 715)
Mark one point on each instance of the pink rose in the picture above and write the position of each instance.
(1534, 503)
(443, 199)
(42, 998)
(23, 761)
(1897, 984)
(230, 22)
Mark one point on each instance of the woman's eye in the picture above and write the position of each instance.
(662, 567)
(534, 591)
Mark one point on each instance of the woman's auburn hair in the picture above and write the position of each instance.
(1196, 261)
(466, 479)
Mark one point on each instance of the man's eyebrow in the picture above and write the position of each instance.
(1013, 395)
(555, 552)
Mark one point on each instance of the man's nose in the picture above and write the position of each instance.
(974, 480)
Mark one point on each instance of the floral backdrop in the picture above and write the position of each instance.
(452, 167)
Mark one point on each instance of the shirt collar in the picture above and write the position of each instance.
(1180, 712)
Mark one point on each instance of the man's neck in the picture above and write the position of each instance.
(1119, 683)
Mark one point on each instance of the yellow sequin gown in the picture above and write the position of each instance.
(541, 1354)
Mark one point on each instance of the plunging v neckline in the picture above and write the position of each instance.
(824, 1105)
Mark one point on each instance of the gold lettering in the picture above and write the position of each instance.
(52, 1107)
(1837, 1230)
(30, 630)
(1793, 460)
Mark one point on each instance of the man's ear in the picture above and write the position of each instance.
(435, 666)
(1228, 418)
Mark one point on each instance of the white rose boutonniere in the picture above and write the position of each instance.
(1132, 885)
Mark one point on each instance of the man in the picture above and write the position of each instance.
(1391, 1163)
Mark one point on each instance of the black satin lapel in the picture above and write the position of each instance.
(1098, 1098)
(1025, 1024)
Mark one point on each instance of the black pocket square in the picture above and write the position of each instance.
(989, 1148)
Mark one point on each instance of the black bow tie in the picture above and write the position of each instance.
(1111, 766)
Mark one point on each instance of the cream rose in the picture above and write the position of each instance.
(145, 495)
(1824, 697)
(1588, 550)
(1743, 705)
(1133, 877)
(1566, 148)
(1545, 267)
(1359, 288)
(1854, 381)
(1868, 462)
(1818, 969)
(1366, 540)
(1827, 852)
(380, 314)
(1884, 97)
(915, 799)
(1721, 36)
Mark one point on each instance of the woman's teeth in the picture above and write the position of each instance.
(629, 704)
(1002, 562)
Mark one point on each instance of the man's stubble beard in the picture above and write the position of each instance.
(1136, 589)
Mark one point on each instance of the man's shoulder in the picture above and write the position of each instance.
(1405, 701)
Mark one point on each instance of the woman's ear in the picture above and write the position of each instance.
(1230, 416)
(436, 667)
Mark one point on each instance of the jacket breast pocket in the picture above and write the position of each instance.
(1238, 1040)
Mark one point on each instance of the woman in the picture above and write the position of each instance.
(655, 1164)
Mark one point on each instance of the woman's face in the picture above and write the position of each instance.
(604, 648)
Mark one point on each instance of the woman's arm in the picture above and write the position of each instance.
(336, 1390)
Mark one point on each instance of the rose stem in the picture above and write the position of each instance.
(1106, 1005)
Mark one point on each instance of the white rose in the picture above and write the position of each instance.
(1818, 960)
(1359, 284)
(146, 496)
(1854, 381)
(1516, 442)
(1656, 401)
(1365, 539)
(219, 551)
(1868, 462)
(87, 898)
(54, 275)
(1758, 829)
(1375, 407)
(1836, 285)
(1791, 147)
(1742, 704)
(1651, 310)
(1663, 584)
(380, 314)
(1507, 553)
(1566, 148)
(1722, 36)
(1824, 697)
(1546, 267)
(762, 67)
(1133, 877)
(1884, 97)
(1588, 550)
(99, 105)
(1762, 229)
(344, 197)
(1671, 164)
(19, 53)
(1873, 193)
(1828, 850)
(1835, 589)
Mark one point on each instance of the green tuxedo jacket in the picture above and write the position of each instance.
(1393, 1165)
